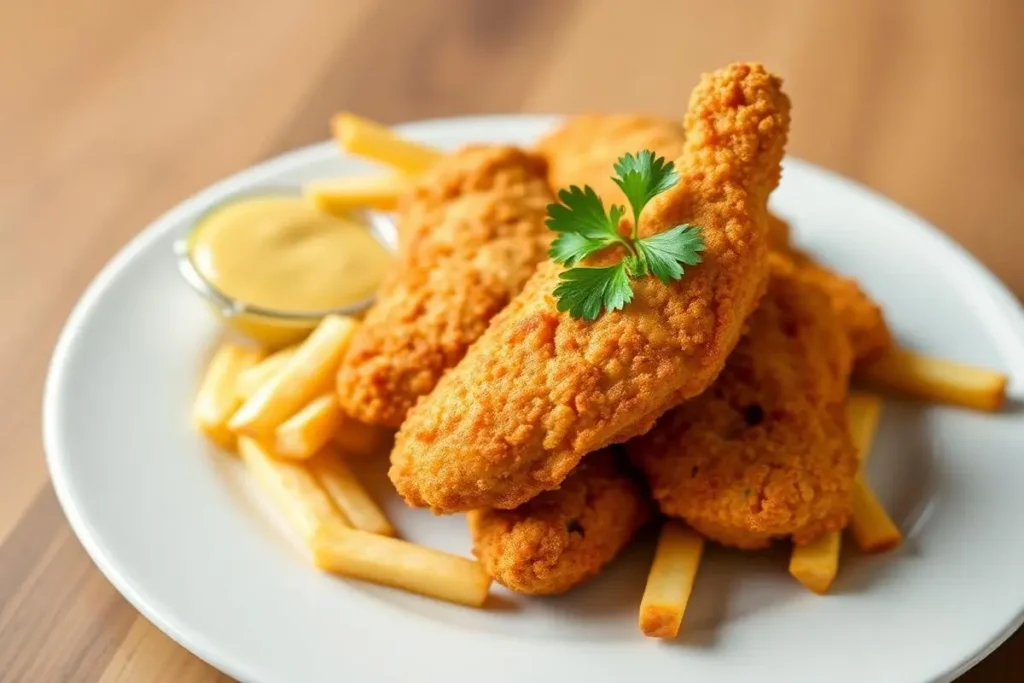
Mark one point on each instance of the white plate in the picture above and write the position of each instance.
(177, 528)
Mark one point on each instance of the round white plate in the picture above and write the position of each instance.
(175, 525)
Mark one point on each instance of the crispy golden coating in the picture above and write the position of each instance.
(765, 452)
(583, 150)
(778, 233)
(858, 313)
(563, 537)
(472, 233)
(540, 390)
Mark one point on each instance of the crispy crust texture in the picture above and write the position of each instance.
(539, 390)
(472, 233)
(563, 537)
(765, 452)
(858, 313)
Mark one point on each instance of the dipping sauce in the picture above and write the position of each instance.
(280, 253)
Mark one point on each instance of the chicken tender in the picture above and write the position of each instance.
(472, 233)
(583, 150)
(778, 233)
(765, 452)
(859, 315)
(563, 537)
(540, 389)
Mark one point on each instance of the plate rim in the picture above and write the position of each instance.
(151, 608)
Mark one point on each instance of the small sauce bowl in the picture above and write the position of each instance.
(272, 328)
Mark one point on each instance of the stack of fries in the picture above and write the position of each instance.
(279, 412)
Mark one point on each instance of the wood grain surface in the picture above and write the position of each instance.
(114, 110)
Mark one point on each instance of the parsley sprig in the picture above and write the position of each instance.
(585, 228)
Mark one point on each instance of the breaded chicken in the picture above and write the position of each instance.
(540, 389)
(583, 149)
(563, 537)
(471, 234)
(858, 313)
(778, 233)
(765, 452)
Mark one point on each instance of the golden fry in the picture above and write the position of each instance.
(936, 379)
(217, 401)
(862, 414)
(341, 195)
(400, 564)
(309, 430)
(670, 581)
(348, 494)
(815, 564)
(308, 373)
(371, 140)
(252, 378)
(306, 505)
(872, 529)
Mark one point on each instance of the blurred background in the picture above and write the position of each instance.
(112, 111)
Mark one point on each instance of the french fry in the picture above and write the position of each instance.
(371, 140)
(306, 505)
(348, 494)
(870, 525)
(341, 195)
(309, 430)
(670, 581)
(815, 564)
(936, 379)
(872, 529)
(252, 378)
(307, 374)
(217, 401)
(862, 414)
(400, 564)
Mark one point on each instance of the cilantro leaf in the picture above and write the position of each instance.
(585, 291)
(667, 252)
(643, 177)
(570, 248)
(583, 225)
(581, 211)
(585, 228)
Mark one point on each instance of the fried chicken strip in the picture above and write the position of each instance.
(778, 233)
(563, 537)
(861, 317)
(765, 452)
(472, 232)
(540, 389)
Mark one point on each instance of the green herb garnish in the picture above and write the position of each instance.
(585, 228)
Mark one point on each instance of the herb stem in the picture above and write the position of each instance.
(628, 244)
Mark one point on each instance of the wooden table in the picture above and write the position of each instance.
(114, 110)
